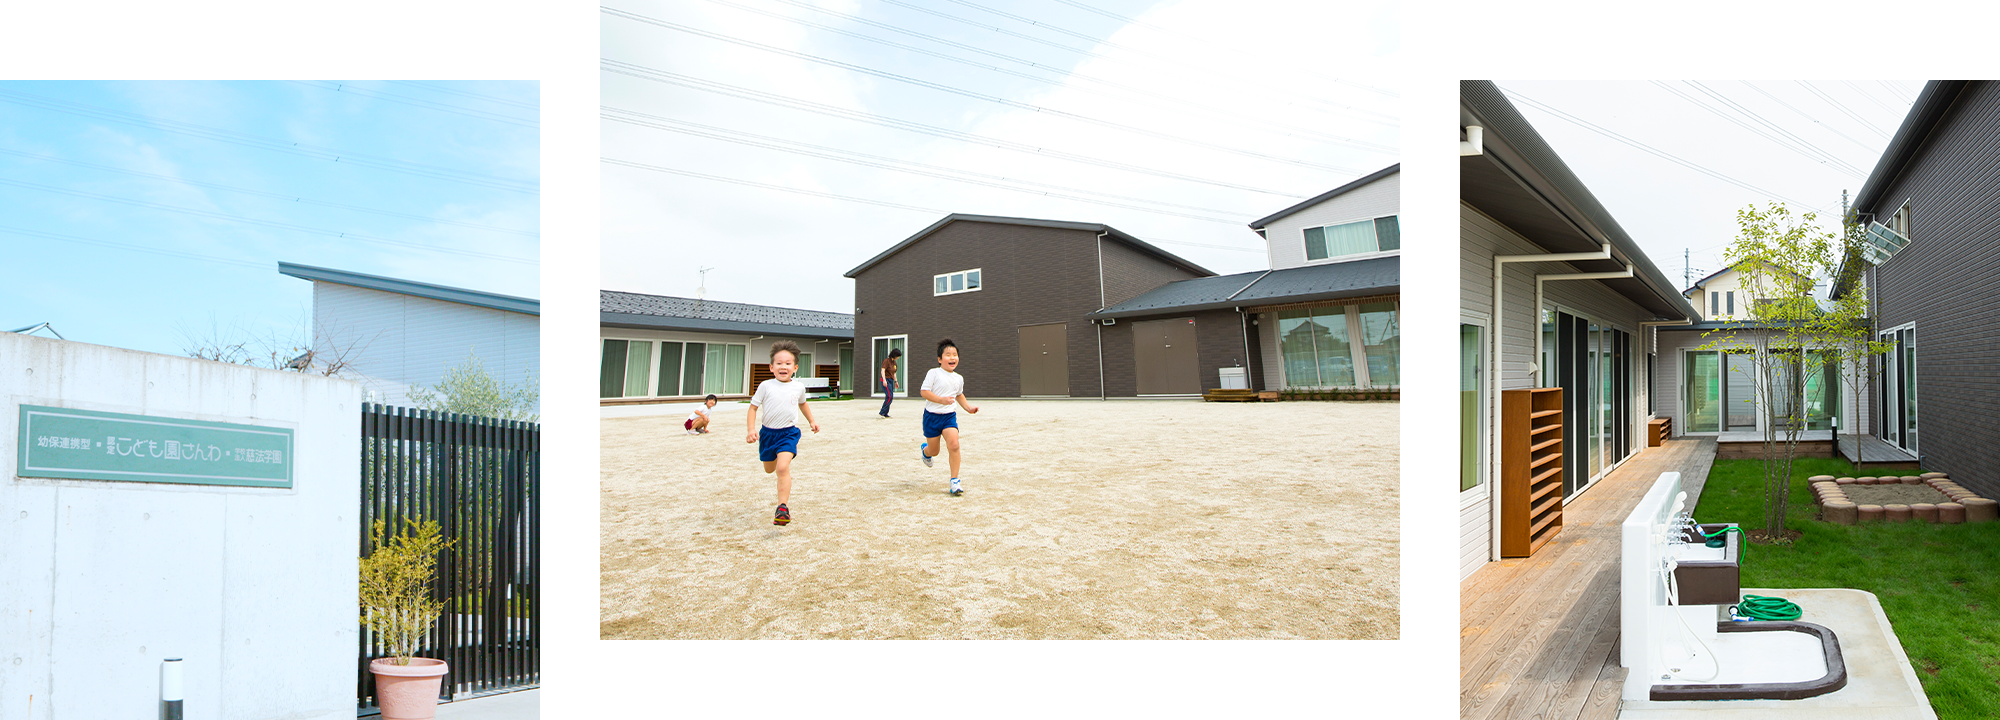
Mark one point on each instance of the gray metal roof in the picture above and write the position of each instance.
(661, 312)
(528, 306)
(1521, 181)
(1328, 195)
(1925, 114)
(1111, 232)
(1360, 278)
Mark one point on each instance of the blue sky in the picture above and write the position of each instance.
(149, 215)
(1264, 103)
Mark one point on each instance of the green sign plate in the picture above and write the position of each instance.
(94, 445)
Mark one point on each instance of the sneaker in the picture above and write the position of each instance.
(920, 453)
(955, 491)
(784, 516)
(694, 432)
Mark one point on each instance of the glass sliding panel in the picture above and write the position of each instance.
(942, 285)
(1594, 411)
(1295, 344)
(611, 377)
(1569, 369)
(1336, 356)
(1739, 393)
(716, 378)
(1550, 350)
(1820, 401)
(1907, 361)
(805, 365)
(670, 370)
(1472, 396)
(1315, 243)
(1704, 387)
(638, 362)
(692, 369)
(738, 356)
(957, 282)
(1783, 391)
(1387, 235)
(847, 370)
(1350, 239)
(1382, 338)
(972, 280)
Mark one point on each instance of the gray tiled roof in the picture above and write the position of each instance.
(1360, 278)
(1328, 195)
(676, 313)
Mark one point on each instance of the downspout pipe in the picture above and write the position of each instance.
(1497, 362)
(1102, 394)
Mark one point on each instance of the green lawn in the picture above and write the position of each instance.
(1938, 583)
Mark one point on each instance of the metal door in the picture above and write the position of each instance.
(1163, 357)
(1045, 360)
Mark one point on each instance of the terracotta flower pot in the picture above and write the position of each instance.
(408, 692)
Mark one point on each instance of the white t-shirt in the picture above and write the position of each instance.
(779, 402)
(940, 381)
(700, 412)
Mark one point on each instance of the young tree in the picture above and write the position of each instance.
(469, 390)
(1791, 335)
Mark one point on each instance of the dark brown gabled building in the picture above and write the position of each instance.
(1014, 294)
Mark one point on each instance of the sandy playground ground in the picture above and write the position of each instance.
(1082, 519)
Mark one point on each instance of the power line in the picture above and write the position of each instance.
(1307, 97)
(876, 161)
(468, 93)
(1156, 28)
(1796, 143)
(1802, 113)
(1649, 149)
(1740, 123)
(236, 138)
(941, 87)
(140, 248)
(1058, 82)
(347, 89)
(661, 76)
(1870, 96)
(271, 195)
(266, 223)
(847, 198)
(1821, 94)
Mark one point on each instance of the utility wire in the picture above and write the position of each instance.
(661, 76)
(941, 87)
(1801, 141)
(1837, 105)
(272, 195)
(229, 136)
(266, 223)
(1794, 144)
(1649, 149)
(847, 198)
(1870, 96)
(139, 248)
(1164, 31)
(534, 106)
(877, 161)
(1802, 113)
(1290, 131)
(954, 18)
(347, 89)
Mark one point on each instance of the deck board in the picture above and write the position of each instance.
(1538, 636)
(1873, 450)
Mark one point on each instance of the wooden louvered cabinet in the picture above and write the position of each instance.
(1531, 469)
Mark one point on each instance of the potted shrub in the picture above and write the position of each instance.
(397, 608)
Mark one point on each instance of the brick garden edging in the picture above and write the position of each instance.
(1963, 505)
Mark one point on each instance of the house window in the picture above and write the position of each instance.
(1900, 222)
(1731, 299)
(1355, 238)
(1341, 346)
(956, 282)
(1714, 304)
(1471, 404)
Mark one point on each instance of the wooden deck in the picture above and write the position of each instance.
(1538, 636)
(1874, 454)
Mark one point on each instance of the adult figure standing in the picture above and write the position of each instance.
(888, 379)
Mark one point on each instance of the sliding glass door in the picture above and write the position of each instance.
(1899, 389)
(1592, 363)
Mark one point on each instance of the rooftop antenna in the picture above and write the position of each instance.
(43, 326)
(702, 292)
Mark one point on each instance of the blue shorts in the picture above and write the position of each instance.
(935, 423)
(771, 441)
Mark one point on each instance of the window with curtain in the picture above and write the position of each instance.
(1471, 403)
(1355, 238)
(1330, 340)
(1295, 344)
(611, 375)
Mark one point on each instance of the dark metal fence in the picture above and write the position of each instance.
(478, 478)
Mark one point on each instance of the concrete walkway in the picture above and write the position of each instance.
(517, 705)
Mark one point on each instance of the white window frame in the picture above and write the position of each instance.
(902, 368)
(965, 279)
(1306, 252)
(653, 367)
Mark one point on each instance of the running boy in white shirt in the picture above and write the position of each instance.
(782, 399)
(944, 394)
(697, 422)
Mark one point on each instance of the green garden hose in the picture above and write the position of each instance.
(1715, 540)
(1768, 608)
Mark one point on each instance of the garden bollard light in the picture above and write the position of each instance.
(170, 689)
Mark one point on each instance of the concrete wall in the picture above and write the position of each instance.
(1286, 236)
(399, 341)
(254, 588)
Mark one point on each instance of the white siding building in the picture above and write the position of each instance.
(399, 334)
